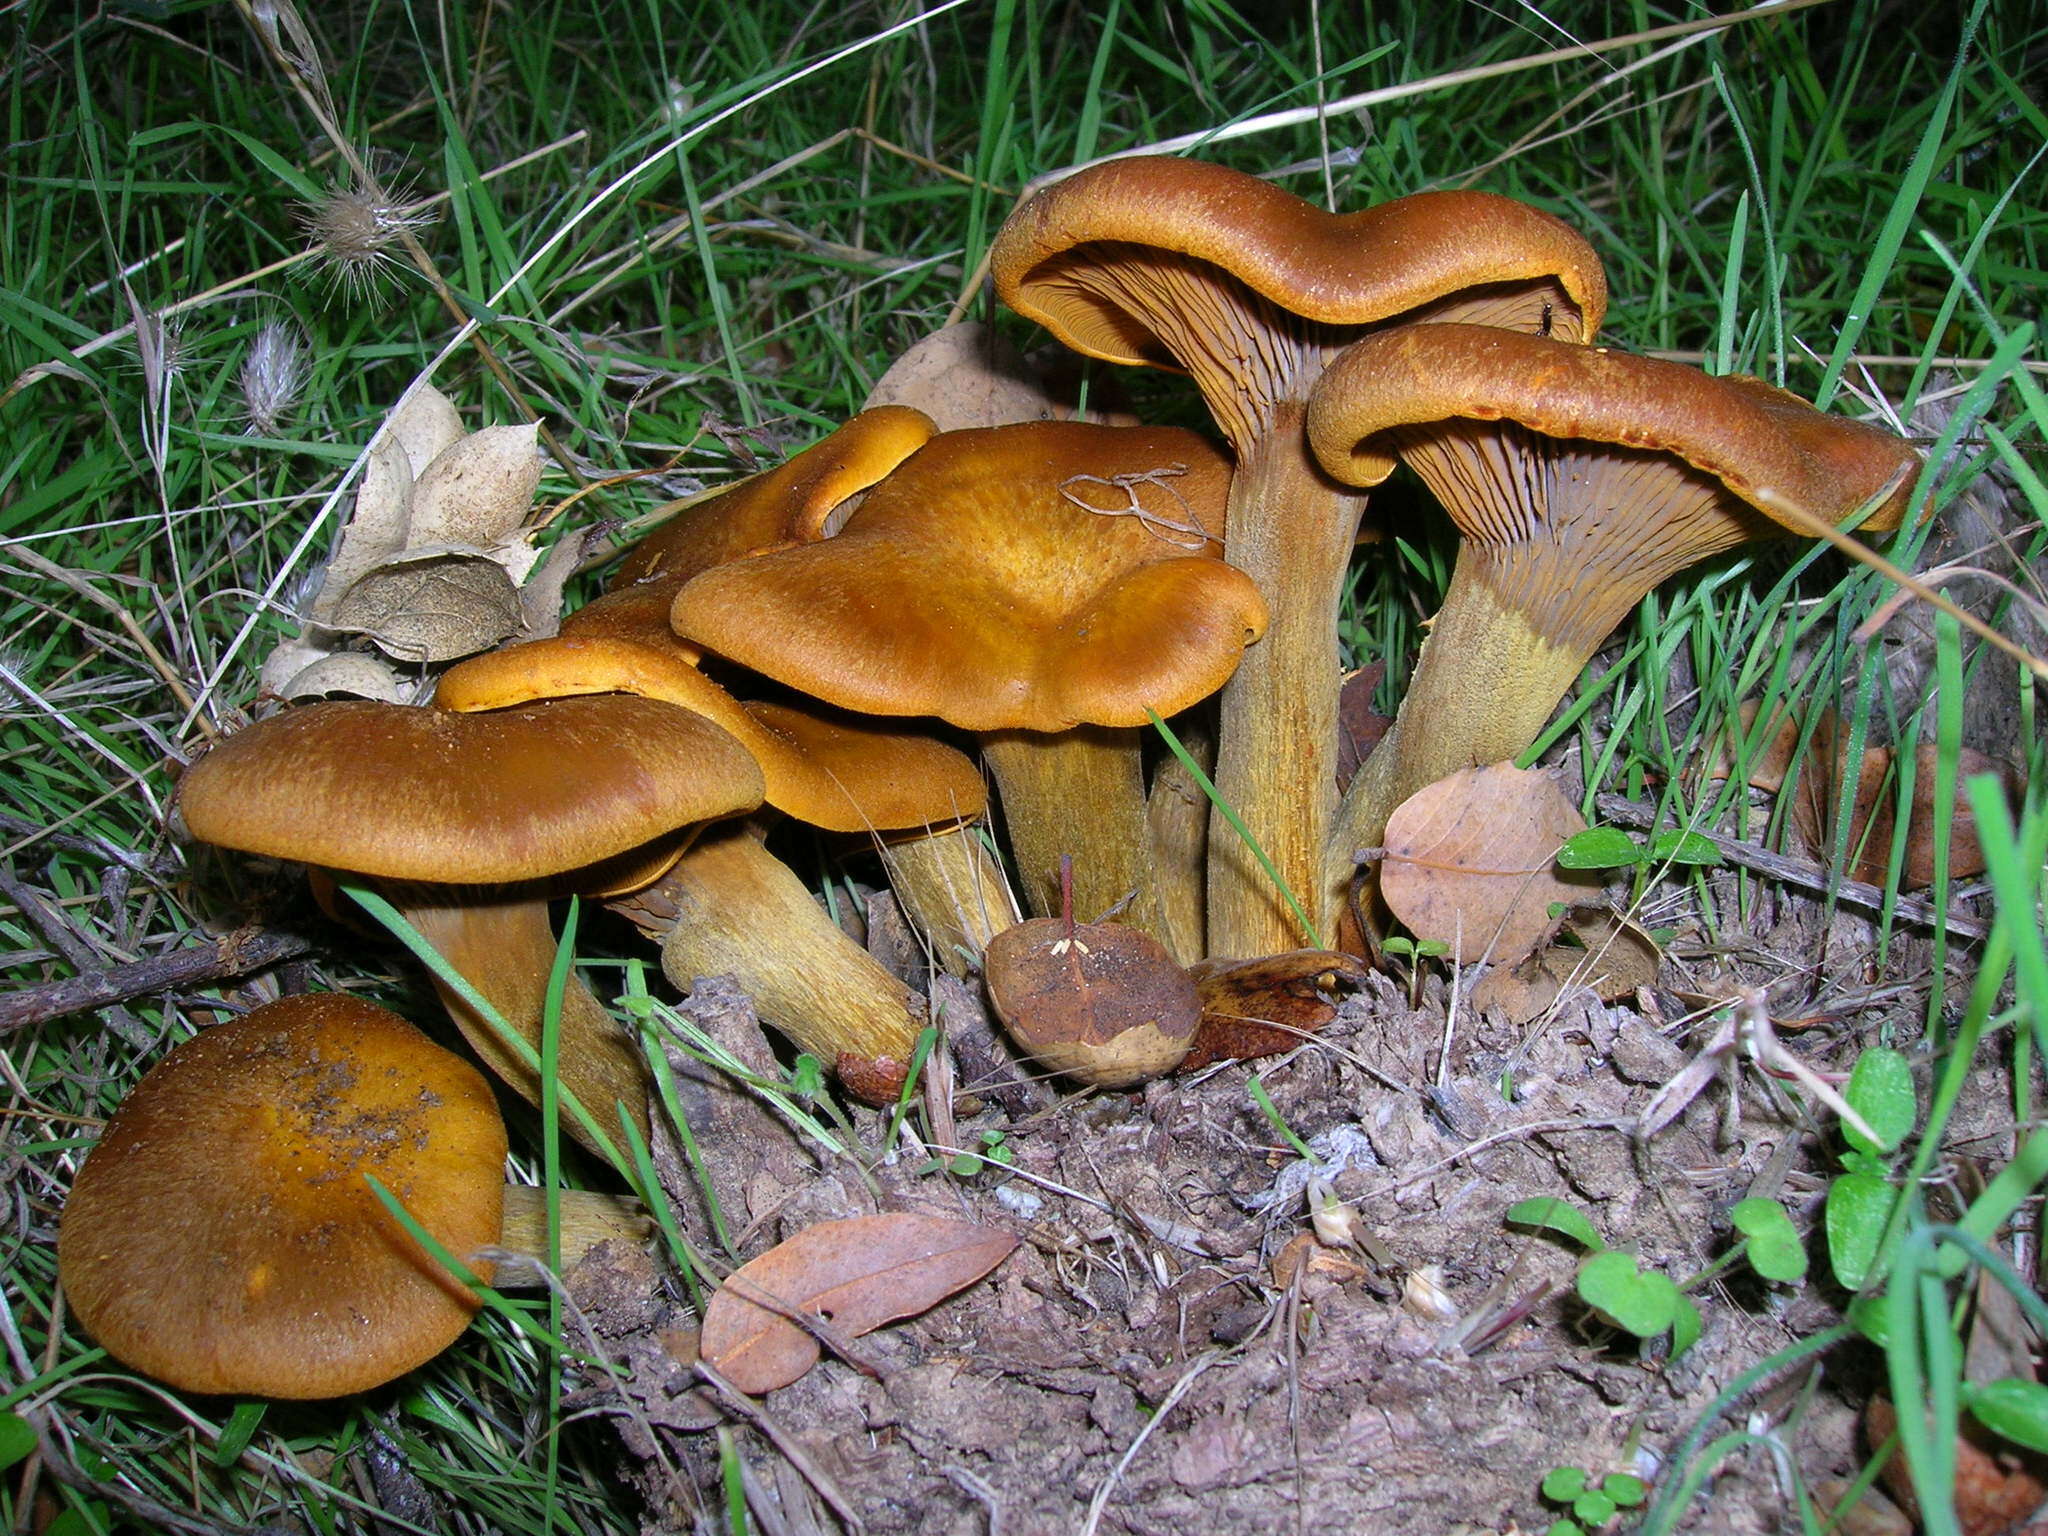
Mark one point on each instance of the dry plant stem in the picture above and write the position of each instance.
(1079, 792)
(731, 908)
(499, 938)
(953, 891)
(1484, 685)
(1291, 531)
(236, 954)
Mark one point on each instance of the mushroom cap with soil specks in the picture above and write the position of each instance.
(223, 1237)
(1026, 577)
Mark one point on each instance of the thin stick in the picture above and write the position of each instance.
(237, 954)
(1799, 872)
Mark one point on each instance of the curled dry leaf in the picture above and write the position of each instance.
(1470, 862)
(1253, 1008)
(479, 491)
(424, 427)
(968, 375)
(432, 605)
(853, 1275)
(1612, 958)
(375, 531)
(1359, 727)
(351, 675)
(1098, 1001)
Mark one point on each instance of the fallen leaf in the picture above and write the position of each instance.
(432, 605)
(1997, 1484)
(1253, 1008)
(968, 375)
(854, 1275)
(477, 491)
(1101, 1002)
(1612, 958)
(1359, 727)
(1470, 862)
(350, 675)
(425, 427)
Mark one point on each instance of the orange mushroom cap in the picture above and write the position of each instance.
(222, 1236)
(1025, 577)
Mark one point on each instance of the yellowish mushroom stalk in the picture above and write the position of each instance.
(1579, 479)
(1250, 291)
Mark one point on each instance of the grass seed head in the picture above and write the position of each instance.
(274, 374)
(356, 230)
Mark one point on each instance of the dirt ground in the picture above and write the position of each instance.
(1170, 1349)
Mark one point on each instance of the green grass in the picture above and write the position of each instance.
(690, 237)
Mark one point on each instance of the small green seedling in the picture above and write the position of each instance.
(1612, 848)
(994, 1149)
(1645, 1303)
(1860, 1200)
(1401, 947)
(1769, 1240)
(1592, 1504)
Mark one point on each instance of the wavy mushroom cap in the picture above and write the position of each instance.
(1632, 467)
(222, 1236)
(1027, 577)
(1190, 266)
(837, 772)
(406, 793)
(791, 504)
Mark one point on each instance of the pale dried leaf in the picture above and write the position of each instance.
(433, 606)
(540, 594)
(1471, 862)
(428, 425)
(287, 660)
(479, 491)
(965, 376)
(854, 1275)
(351, 675)
(375, 532)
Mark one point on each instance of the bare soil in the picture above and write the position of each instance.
(1171, 1349)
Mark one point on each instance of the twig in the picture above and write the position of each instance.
(1100, 1502)
(791, 1447)
(237, 954)
(1799, 872)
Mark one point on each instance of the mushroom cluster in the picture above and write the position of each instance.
(819, 645)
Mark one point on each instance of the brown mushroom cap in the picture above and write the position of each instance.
(833, 771)
(788, 504)
(222, 1237)
(1141, 260)
(1629, 468)
(976, 584)
(430, 794)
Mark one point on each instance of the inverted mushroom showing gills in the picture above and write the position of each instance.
(223, 1236)
(1250, 291)
(1579, 479)
(1043, 585)
(473, 821)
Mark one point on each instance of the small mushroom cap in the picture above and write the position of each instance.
(222, 1237)
(1765, 444)
(833, 771)
(1458, 254)
(787, 505)
(1024, 577)
(430, 794)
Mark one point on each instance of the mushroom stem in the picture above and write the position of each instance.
(498, 938)
(1177, 817)
(731, 908)
(953, 891)
(1483, 688)
(1079, 792)
(1291, 531)
(587, 1219)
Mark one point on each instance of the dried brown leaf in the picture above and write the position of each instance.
(1359, 727)
(1253, 1008)
(1470, 862)
(432, 606)
(1613, 957)
(424, 428)
(853, 1275)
